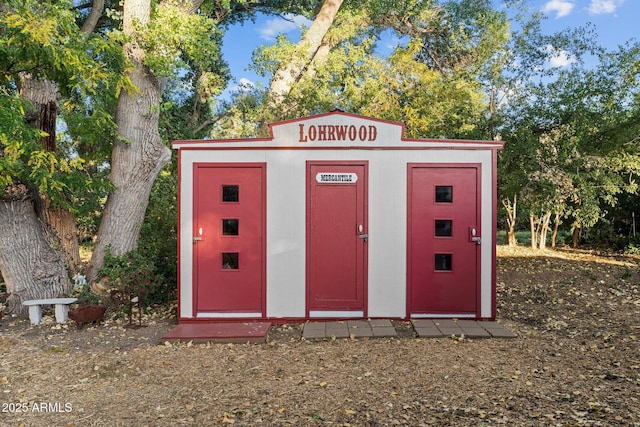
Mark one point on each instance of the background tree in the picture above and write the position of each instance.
(162, 41)
(430, 81)
(42, 57)
(569, 134)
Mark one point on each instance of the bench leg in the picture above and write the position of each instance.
(62, 313)
(35, 314)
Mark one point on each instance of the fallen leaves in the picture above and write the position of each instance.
(576, 363)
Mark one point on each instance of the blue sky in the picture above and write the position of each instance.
(615, 21)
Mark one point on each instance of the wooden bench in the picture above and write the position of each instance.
(61, 307)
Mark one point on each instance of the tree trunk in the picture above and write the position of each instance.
(544, 228)
(91, 22)
(31, 257)
(43, 94)
(539, 229)
(556, 225)
(31, 266)
(511, 210)
(534, 231)
(64, 223)
(287, 74)
(137, 156)
(576, 237)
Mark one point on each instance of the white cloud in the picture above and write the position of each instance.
(246, 84)
(559, 58)
(275, 26)
(559, 7)
(599, 7)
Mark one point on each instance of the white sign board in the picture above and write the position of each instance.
(336, 178)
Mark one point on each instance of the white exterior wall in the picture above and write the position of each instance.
(286, 217)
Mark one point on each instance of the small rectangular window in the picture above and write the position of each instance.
(230, 193)
(443, 262)
(444, 228)
(230, 261)
(230, 227)
(444, 194)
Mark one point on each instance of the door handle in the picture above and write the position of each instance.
(198, 237)
(364, 236)
(473, 236)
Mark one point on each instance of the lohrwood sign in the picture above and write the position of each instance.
(352, 133)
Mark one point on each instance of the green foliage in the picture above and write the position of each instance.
(429, 82)
(633, 248)
(175, 40)
(569, 128)
(130, 281)
(42, 39)
(86, 296)
(130, 275)
(23, 159)
(16, 139)
(239, 116)
(158, 237)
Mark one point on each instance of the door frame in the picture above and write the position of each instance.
(263, 244)
(478, 279)
(365, 252)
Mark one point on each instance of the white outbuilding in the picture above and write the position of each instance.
(336, 216)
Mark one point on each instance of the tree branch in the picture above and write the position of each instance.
(92, 20)
(290, 72)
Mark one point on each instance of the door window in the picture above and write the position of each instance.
(230, 261)
(230, 227)
(443, 228)
(230, 193)
(444, 194)
(443, 262)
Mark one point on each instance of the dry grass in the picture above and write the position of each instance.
(575, 363)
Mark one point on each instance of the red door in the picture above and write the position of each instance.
(336, 238)
(443, 239)
(229, 238)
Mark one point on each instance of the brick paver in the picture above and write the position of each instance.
(256, 332)
(424, 328)
(428, 328)
(337, 330)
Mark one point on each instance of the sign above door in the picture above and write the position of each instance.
(336, 178)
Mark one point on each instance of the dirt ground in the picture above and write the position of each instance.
(576, 362)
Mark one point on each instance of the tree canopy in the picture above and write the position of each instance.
(570, 130)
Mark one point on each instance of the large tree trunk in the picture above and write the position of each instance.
(64, 223)
(287, 74)
(31, 266)
(31, 258)
(137, 156)
(43, 94)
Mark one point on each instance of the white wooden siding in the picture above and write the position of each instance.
(286, 220)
